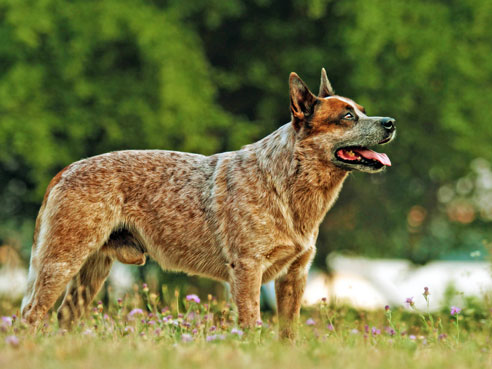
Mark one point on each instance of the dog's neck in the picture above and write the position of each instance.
(308, 184)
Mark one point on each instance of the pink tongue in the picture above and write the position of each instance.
(373, 155)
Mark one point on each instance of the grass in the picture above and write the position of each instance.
(140, 332)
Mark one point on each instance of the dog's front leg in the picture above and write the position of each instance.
(289, 290)
(245, 288)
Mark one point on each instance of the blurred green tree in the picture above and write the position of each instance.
(81, 78)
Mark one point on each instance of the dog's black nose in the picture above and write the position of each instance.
(388, 123)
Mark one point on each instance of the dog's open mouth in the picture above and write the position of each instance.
(361, 155)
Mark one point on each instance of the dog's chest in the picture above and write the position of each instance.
(277, 260)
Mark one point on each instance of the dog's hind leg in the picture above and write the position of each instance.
(83, 288)
(123, 246)
(50, 278)
(67, 238)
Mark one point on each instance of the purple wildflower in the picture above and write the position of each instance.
(215, 337)
(455, 310)
(237, 331)
(135, 312)
(390, 331)
(12, 341)
(7, 321)
(259, 323)
(409, 301)
(310, 321)
(330, 327)
(426, 292)
(375, 331)
(412, 337)
(193, 298)
(185, 337)
(387, 308)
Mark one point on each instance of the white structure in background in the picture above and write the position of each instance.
(360, 282)
(121, 278)
(13, 281)
(13, 278)
(374, 283)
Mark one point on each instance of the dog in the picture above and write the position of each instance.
(245, 217)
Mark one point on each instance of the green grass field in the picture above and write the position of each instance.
(139, 332)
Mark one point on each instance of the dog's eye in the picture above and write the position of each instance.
(348, 116)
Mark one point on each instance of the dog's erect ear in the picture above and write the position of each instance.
(301, 100)
(325, 88)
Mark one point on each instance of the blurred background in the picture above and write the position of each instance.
(79, 78)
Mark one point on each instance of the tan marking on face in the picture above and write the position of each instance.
(327, 116)
(359, 109)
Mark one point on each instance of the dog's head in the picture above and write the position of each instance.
(337, 128)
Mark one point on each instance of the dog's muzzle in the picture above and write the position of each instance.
(388, 124)
(390, 128)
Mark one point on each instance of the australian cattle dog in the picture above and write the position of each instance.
(245, 217)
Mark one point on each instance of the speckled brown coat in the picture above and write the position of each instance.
(245, 217)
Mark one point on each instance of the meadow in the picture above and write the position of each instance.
(81, 78)
(183, 331)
